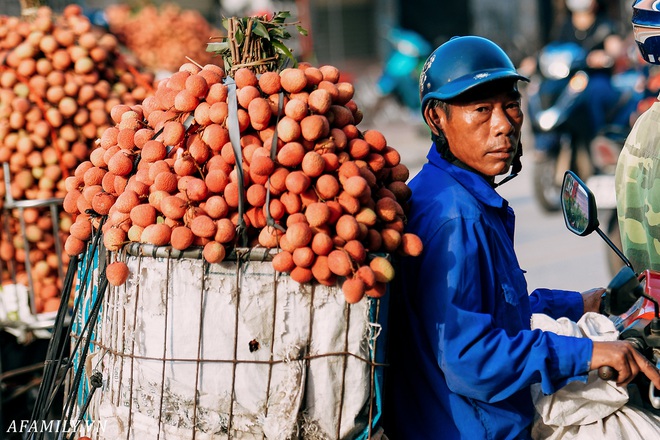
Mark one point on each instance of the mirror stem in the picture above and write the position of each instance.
(615, 249)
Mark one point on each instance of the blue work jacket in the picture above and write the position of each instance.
(462, 354)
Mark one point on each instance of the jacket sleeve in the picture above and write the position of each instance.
(557, 303)
(481, 355)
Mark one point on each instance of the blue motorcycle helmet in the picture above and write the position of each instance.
(459, 66)
(646, 29)
(462, 63)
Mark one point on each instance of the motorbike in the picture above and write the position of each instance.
(394, 92)
(560, 124)
(631, 299)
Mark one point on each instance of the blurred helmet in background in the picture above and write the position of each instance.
(580, 5)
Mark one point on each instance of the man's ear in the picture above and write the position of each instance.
(434, 117)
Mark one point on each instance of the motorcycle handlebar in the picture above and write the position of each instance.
(607, 373)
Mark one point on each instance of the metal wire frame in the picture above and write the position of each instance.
(58, 361)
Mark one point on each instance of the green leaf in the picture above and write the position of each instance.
(260, 29)
(278, 33)
(217, 47)
(281, 16)
(239, 36)
(281, 48)
(301, 30)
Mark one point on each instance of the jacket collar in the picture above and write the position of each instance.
(473, 182)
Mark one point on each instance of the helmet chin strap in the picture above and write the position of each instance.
(505, 180)
(491, 180)
(516, 166)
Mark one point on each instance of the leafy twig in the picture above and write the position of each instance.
(255, 42)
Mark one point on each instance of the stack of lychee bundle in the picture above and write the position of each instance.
(334, 195)
(161, 37)
(268, 156)
(59, 79)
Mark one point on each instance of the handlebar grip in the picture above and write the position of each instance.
(607, 373)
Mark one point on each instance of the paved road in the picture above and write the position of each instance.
(551, 255)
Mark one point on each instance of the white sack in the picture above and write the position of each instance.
(169, 309)
(597, 409)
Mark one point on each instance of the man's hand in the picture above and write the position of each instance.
(592, 299)
(625, 359)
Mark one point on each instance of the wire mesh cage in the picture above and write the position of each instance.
(32, 271)
(189, 350)
(32, 268)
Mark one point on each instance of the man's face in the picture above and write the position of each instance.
(484, 133)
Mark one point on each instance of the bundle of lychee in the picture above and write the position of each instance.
(59, 79)
(161, 37)
(299, 177)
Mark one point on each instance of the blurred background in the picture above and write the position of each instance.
(354, 33)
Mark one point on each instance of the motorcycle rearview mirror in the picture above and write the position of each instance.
(578, 205)
(581, 216)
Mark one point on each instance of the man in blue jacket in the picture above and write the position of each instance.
(462, 355)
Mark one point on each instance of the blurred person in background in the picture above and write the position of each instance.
(588, 25)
